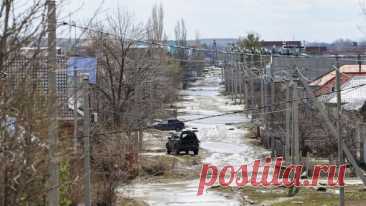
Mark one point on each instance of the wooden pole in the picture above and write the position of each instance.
(232, 82)
(75, 89)
(86, 132)
(288, 124)
(263, 73)
(246, 92)
(339, 129)
(295, 126)
(240, 84)
(53, 168)
(363, 138)
(273, 101)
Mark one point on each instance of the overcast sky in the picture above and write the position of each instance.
(310, 20)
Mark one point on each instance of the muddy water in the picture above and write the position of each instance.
(219, 136)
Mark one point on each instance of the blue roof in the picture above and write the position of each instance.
(83, 65)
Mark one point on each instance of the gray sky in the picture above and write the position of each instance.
(310, 20)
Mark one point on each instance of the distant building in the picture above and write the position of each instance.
(283, 47)
(315, 50)
(40, 51)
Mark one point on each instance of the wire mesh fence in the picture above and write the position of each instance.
(273, 92)
(24, 73)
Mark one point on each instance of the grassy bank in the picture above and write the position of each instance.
(355, 196)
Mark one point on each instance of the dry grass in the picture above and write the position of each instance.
(355, 196)
(131, 202)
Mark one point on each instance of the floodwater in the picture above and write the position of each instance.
(220, 136)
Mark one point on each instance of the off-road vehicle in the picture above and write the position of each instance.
(183, 141)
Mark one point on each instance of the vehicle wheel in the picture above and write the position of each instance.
(195, 152)
(176, 152)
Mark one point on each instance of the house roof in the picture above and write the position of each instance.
(349, 69)
(353, 94)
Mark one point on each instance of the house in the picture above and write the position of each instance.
(326, 83)
(353, 97)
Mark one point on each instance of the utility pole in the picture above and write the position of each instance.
(53, 195)
(238, 80)
(235, 77)
(363, 137)
(359, 63)
(87, 170)
(288, 123)
(339, 128)
(215, 54)
(240, 83)
(224, 66)
(75, 89)
(273, 101)
(246, 91)
(232, 83)
(224, 76)
(262, 74)
(252, 97)
(295, 127)
(265, 105)
(252, 82)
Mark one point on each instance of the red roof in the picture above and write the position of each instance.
(327, 82)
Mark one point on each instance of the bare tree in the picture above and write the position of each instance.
(155, 25)
(19, 28)
(196, 61)
(181, 40)
(23, 164)
(23, 150)
(121, 68)
(133, 84)
(130, 71)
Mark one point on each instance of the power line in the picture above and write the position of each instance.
(231, 113)
(257, 108)
(87, 28)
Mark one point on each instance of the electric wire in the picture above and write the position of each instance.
(88, 28)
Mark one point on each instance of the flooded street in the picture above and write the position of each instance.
(220, 136)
